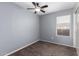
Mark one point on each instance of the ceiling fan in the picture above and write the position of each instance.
(38, 8)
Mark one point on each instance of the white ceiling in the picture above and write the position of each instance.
(52, 6)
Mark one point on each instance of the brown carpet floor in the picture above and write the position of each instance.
(46, 49)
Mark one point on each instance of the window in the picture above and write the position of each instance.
(63, 25)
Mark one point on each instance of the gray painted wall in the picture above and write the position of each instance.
(18, 27)
(48, 28)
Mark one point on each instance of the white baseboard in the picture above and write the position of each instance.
(20, 48)
(57, 43)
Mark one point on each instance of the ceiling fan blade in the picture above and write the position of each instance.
(45, 6)
(37, 4)
(30, 8)
(42, 11)
(34, 4)
(35, 12)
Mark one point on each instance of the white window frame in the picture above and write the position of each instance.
(70, 27)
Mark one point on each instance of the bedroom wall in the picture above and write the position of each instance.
(18, 27)
(48, 28)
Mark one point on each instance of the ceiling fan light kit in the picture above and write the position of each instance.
(37, 9)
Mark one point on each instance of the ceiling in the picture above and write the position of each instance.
(52, 6)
